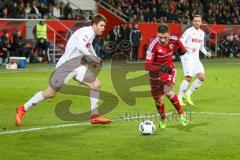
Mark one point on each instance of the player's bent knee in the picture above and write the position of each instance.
(48, 94)
(159, 101)
(201, 77)
(170, 94)
(168, 91)
(188, 78)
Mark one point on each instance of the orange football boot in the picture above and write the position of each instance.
(19, 115)
(96, 119)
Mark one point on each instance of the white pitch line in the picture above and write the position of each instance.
(218, 113)
(43, 128)
(114, 120)
(108, 67)
(58, 126)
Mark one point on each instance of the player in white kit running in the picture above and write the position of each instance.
(193, 41)
(70, 65)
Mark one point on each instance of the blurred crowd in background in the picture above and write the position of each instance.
(179, 11)
(48, 9)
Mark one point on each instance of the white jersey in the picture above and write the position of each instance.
(80, 43)
(193, 38)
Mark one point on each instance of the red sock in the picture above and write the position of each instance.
(161, 111)
(176, 104)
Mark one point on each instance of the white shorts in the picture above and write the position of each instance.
(62, 75)
(192, 68)
(79, 74)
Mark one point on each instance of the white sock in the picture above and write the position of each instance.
(183, 88)
(94, 98)
(195, 85)
(38, 97)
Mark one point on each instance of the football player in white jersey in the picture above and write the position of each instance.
(70, 65)
(193, 41)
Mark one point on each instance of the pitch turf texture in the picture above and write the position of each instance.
(213, 132)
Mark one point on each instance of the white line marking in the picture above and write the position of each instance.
(114, 120)
(43, 128)
(107, 67)
(218, 113)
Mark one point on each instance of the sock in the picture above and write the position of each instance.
(161, 111)
(195, 85)
(94, 98)
(174, 100)
(183, 88)
(38, 97)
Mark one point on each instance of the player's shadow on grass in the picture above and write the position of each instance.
(189, 127)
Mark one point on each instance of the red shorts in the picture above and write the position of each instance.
(158, 80)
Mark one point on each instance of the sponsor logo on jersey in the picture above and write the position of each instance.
(162, 56)
(171, 46)
(88, 45)
(195, 40)
(149, 56)
(160, 50)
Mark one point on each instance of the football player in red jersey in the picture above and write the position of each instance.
(162, 72)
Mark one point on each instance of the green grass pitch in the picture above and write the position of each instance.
(213, 132)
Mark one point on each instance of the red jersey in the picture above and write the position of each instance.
(159, 55)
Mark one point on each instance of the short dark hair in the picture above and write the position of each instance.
(163, 28)
(98, 18)
(197, 15)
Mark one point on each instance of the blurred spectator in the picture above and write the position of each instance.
(4, 13)
(179, 11)
(43, 9)
(237, 46)
(50, 12)
(128, 30)
(19, 45)
(56, 12)
(135, 38)
(5, 47)
(46, 2)
(148, 15)
(35, 9)
(124, 30)
(2, 4)
(62, 7)
(21, 9)
(42, 44)
(116, 34)
(28, 9)
(13, 11)
(229, 47)
(68, 11)
(47, 9)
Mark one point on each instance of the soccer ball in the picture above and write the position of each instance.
(147, 127)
